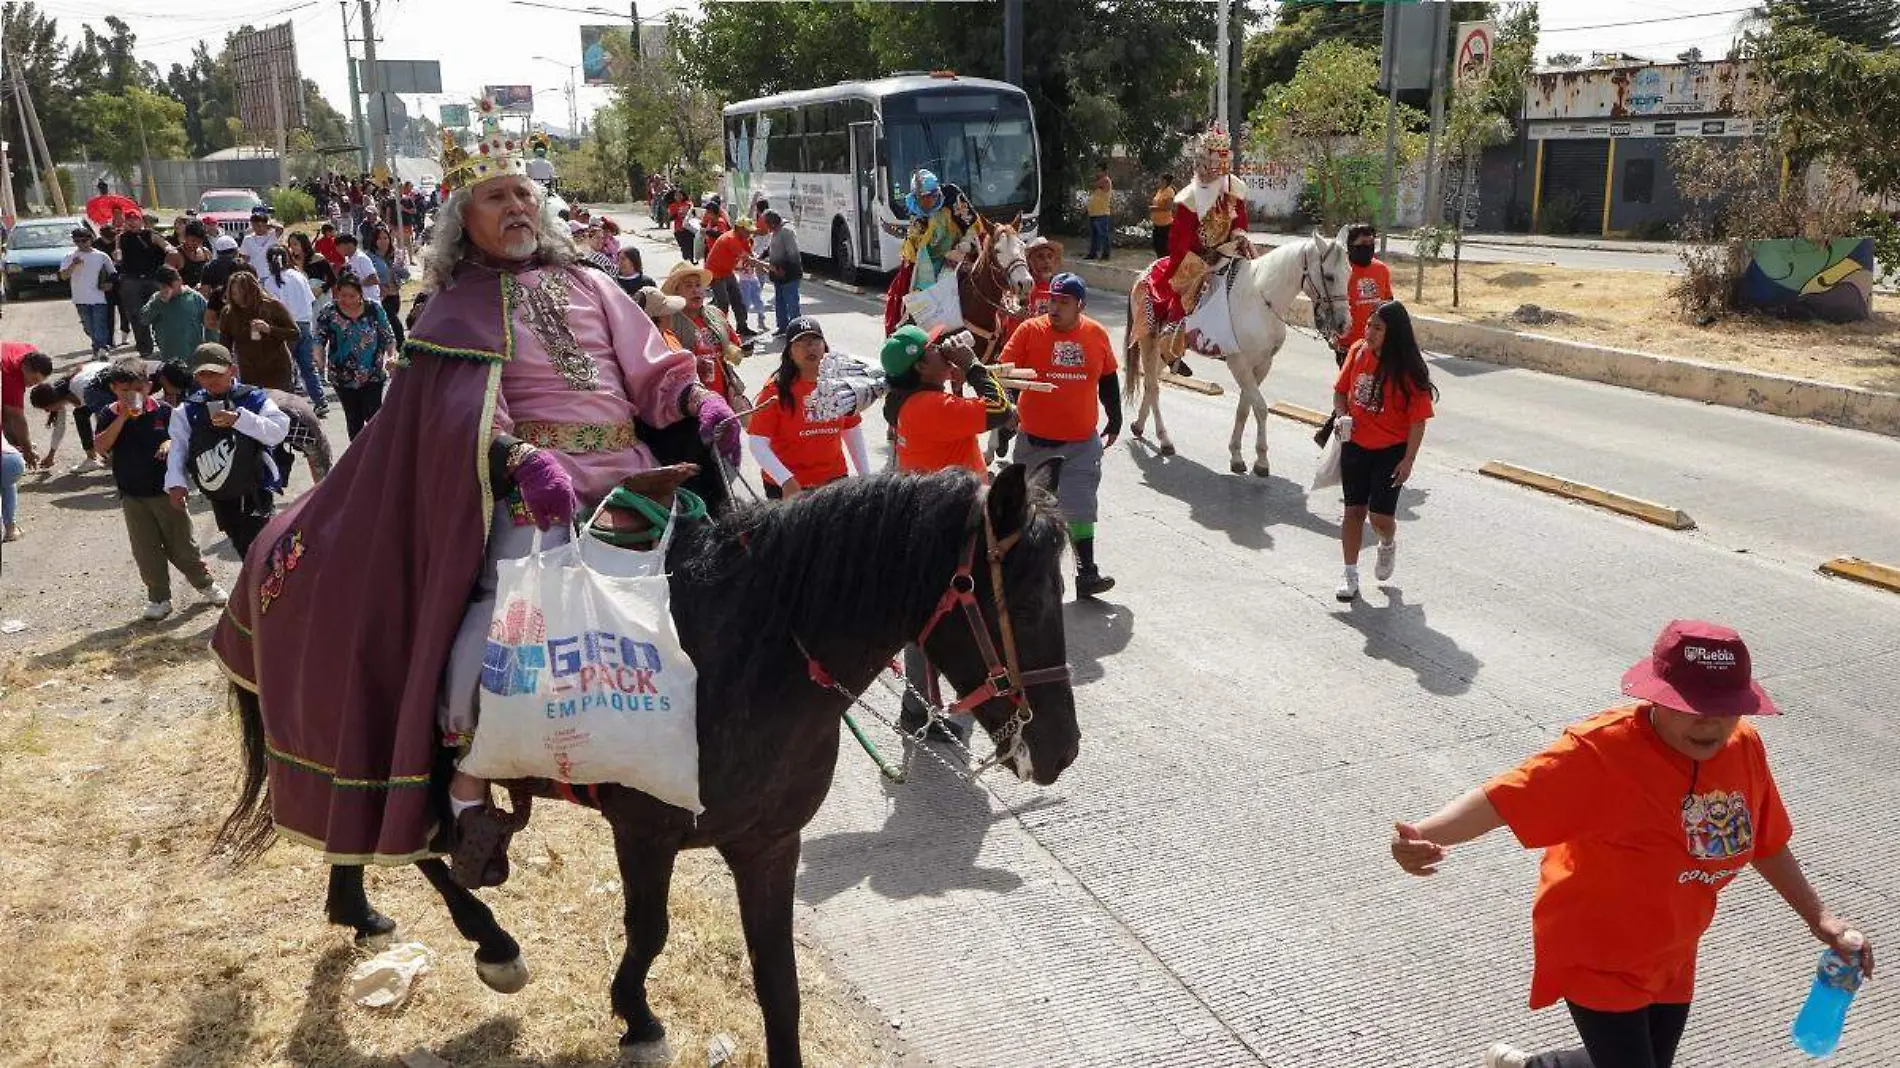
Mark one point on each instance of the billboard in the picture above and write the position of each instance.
(455, 116)
(403, 75)
(597, 53)
(515, 99)
(261, 58)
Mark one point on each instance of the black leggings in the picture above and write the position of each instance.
(685, 239)
(360, 405)
(1641, 1038)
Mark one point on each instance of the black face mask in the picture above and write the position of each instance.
(1360, 255)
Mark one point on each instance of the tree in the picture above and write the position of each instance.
(1331, 119)
(132, 126)
(1270, 58)
(1867, 23)
(669, 121)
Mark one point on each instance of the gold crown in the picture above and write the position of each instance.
(1216, 140)
(498, 153)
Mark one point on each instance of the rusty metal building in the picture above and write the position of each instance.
(1600, 140)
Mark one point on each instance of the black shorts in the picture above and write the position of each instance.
(1365, 477)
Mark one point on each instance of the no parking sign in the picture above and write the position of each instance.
(1474, 51)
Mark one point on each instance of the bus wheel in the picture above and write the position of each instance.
(842, 262)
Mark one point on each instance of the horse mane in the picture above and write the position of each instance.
(843, 568)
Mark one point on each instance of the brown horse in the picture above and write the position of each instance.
(994, 287)
(787, 610)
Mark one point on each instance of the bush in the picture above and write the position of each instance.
(291, 205)
(1561, 213)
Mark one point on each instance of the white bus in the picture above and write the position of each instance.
(836, 162)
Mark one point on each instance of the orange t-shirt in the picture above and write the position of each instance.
(1638, 840)
(724, 256)
(936, 430)
(1366, 288)
(1378, 423)
(1074, 361)
(813, 451)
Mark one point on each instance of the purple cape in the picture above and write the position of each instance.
(349, 601)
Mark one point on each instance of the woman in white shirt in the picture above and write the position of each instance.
(292, 290)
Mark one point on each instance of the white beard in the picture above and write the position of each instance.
(1202, 195)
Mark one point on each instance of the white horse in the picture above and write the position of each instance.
(1258, 304)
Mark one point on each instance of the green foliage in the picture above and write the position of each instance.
(126, 127)
(1866, 23)
(668, 122)
(1098, 73)
(1831, 99)
(1330, 118)
(1561, 212)
(291, 205)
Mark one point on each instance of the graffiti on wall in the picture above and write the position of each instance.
(1797, 278)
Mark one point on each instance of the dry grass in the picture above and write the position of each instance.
(128, 946)
(1627, 309)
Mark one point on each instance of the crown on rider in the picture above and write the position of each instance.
(1216, 140)
(498, 153)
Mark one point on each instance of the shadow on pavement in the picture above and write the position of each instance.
(1095, 629)
(933, 832)
(1398, 634)
(1239, 506)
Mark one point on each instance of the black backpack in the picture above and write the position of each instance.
(225, 464)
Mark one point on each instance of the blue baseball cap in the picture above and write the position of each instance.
(1069, 284)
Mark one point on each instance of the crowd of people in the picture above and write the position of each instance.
(599, 372)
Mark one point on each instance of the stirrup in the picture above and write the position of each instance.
(480, 856)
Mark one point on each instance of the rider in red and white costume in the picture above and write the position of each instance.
(1210, 223)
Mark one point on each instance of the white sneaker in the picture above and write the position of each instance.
(158, 610)
(1388, 559)
(1505, 1055)
(1348, 590)
(214, 594)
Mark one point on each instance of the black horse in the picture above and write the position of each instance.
(770, 600)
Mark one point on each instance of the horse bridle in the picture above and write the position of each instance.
(1004, 297)
(1004, 677)
(1313, 292)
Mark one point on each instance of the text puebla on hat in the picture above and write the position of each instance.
(1700, 668)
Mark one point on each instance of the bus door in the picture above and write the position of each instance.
(864, 191)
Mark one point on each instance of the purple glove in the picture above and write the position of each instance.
(718, 428)
(546, 489)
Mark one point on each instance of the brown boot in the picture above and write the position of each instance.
(480, 857)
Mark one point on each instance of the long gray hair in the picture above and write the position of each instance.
(449, 246)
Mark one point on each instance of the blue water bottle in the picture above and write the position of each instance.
(1817, 1029)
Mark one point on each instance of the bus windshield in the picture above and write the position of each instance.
(982, 142)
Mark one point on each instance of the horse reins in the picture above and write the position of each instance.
(1004, 678)
(992, 337)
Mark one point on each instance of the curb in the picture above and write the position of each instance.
(1854, 569)
(1298, 413)
(832, 283)
(1634, 507)
(1193, 385)
(1669, 376)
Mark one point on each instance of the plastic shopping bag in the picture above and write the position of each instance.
(583, 677)
(941, 305)
(1328, 472)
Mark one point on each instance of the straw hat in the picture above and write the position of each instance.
(657, 304)
(681, 272)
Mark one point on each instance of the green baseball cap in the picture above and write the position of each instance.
(903, 349)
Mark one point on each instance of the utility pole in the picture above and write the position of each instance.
(1388, 195)
(1223, 9)
(356, 96)
(145, 155)
(1441, 38)
(377, 152)
(1013, 42)
(39, 137)
(277, 115)
(18, 85)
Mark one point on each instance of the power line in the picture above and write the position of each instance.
(1643, 22)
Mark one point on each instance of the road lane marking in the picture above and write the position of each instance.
(1855, 569)
(1623, 504)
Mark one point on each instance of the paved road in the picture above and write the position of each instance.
(1209, 885)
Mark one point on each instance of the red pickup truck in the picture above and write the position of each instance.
(229, 210)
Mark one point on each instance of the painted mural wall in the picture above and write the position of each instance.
(1830, 280)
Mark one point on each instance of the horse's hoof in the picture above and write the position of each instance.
(1166, 449)
(377, 934)
(658, 1051)
(507, 977)
(1262, 470)
(1136, 429)
(1237, 467)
